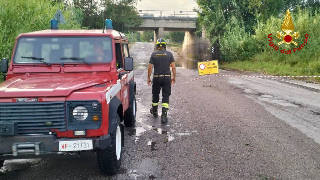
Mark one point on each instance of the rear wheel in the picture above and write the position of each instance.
(130, 114)
(109, 159)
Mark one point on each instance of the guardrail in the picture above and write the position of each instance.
(166, 13)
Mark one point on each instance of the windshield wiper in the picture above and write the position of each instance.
(76, 59)
(37, 59)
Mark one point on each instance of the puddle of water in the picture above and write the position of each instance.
(152, 145)
(17, 165)
(133, 174)
(137, 131)
(159, 130)
(183, 134)
(170, 137)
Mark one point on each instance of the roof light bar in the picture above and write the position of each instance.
(109, 24)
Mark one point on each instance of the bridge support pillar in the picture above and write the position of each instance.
(195, 49)
(158, 33)
(190, 45)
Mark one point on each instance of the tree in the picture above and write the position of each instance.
(90, 13)
(122, 13)
(216, 16)
(96, 11)
(133, 36)
(147, 36)
(176, 36)
(137, 36)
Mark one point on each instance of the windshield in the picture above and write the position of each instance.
(64, 50)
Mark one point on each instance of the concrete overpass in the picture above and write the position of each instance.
(196, 48)
(161, 24)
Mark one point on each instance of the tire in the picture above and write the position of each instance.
(109, 159)
(130, 114)
(1, 163)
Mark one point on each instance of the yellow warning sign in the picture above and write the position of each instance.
(208, 67)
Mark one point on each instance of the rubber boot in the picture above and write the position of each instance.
(164, 115)
(154, 111)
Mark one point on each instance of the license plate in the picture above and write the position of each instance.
(78, 145)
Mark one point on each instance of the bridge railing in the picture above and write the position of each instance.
(167, 13)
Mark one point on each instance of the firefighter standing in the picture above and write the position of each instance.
(161, 60)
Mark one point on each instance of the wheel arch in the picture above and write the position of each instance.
(132, 90)
(115, 108)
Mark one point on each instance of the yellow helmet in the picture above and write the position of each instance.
(161, 43)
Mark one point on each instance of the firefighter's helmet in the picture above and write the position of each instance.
(161, 43)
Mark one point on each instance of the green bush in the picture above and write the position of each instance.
(134, 36)
(147, 36)
(20, 16)
(176, 36)
(305, 23)
(258, 56)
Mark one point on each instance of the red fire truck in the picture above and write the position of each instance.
(67, 91)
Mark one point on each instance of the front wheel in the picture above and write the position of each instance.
(130, 114)
(109, 159)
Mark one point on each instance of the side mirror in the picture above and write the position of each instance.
(128, 64)
(4, 65)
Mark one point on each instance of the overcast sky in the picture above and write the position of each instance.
(171, 5)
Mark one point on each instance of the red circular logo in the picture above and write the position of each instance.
(288, 38)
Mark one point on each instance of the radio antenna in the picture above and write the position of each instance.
(103, 27)
(103, 22)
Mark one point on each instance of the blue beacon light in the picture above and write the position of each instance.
(54, 24)
(109, 24)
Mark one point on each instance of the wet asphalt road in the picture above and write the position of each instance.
(239, 128)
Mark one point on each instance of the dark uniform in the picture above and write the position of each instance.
(161, 61)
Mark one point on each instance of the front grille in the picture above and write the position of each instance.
(34, 118)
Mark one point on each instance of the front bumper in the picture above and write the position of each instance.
(40, 145)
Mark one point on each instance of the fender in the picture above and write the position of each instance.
(114, 104)
(132, 90)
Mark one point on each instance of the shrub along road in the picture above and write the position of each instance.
(239, 128)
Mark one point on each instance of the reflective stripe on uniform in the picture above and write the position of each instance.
(165, 105)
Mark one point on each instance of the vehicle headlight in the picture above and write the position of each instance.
(80, 113)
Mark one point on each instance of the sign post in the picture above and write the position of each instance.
(208, 68)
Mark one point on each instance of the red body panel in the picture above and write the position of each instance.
(69, 82)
